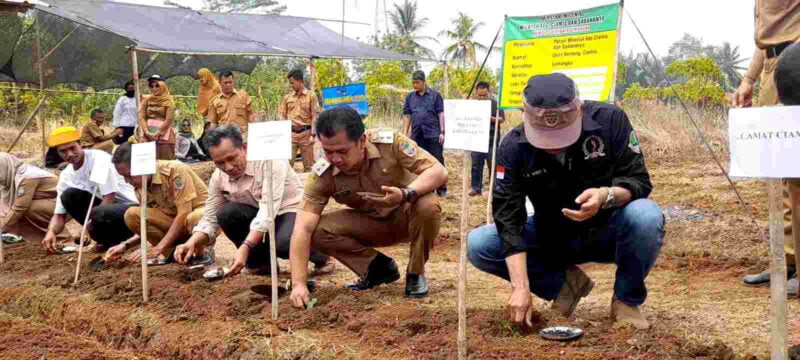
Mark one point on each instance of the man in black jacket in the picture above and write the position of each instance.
(581, 166)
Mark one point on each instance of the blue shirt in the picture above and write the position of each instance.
(424, 110)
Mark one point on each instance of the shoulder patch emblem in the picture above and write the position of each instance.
(20, 191)
(408, 149)
(633, 143)
(320, 166)
(179, 184)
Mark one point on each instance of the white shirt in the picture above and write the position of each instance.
(79, 179)
(125, 113)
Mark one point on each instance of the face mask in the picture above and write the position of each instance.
(130, 94)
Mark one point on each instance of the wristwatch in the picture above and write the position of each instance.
(410, 195)
(609, 203)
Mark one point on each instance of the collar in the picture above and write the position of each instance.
(427, 91)
(305, 91)
(372, 153)
(157, 180)
(234, 92)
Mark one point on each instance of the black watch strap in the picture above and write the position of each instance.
(410, 195)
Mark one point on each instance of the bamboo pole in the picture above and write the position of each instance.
(273, 264)
(83, 235)
(41, 84)
(143, 232)
(137, 92)
(462, 262)
(492, 165)
(27, 124)
(777, 283)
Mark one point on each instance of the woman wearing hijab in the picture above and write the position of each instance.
(156, 117)
(188, 148)
(209, 87)
(27, 198)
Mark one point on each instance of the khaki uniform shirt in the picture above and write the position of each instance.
(777, 21)
(251, 189)
(175, 188)
(28, 191)
(300, 109)
(390, 162)
(231, 110)
(92, 134)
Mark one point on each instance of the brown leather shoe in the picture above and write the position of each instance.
(475, 193)
(626, 314)
(328, 268)
(577, 285)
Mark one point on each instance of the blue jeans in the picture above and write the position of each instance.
(632, 239)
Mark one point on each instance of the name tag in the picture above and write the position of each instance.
(320, 166)
(385, 137)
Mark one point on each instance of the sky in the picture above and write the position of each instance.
(661, 22)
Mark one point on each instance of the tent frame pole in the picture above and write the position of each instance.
(137, 92)
(39, 118)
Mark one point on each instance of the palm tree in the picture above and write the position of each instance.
(729, 61)
(406, 25)
(463, 49)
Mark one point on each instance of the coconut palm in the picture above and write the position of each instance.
(729, 61)
(463, 49)
(406, 26)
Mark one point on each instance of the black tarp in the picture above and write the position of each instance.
(91, 40)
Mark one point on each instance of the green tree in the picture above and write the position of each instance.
(407, 24)
(463, 49)
(387, 86)
(460, 80)
(729, 61)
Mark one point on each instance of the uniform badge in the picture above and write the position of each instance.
(385, 137)
(593, 147)
(408, 149)
(20, 191)
(320, 166)
(633, 143)
(179, 183)
(501, 172)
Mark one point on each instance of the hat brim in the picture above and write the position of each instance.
(552, 139)
(63, 138)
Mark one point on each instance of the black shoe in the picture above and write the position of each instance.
(794, 352)
(416, 286)
(382, 270)
(762, 279)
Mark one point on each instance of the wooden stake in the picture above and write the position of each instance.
(492, 166)
(83, 235)
(143, 231)
(41, 84)
(2, 257)
(462, 262)
(777, 283)
(273, 259)
(137, 92)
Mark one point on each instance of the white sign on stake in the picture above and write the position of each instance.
(269, 140)
(100, 171)
(764, 142)
(143, 159)
(467, 124)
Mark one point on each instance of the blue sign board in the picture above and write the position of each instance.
(352, 95)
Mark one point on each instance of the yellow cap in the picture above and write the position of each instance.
(63, 135)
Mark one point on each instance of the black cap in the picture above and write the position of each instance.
(155, 78)
(550, 91)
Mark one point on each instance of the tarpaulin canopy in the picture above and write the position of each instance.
(87, 42)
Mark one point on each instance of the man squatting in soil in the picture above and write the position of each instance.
(581, 166)
(175, 200)
(387, 181)
(238, 204)
(74, 191)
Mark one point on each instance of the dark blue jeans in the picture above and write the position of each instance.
(432, 146)
(478, 160)
(632, 240)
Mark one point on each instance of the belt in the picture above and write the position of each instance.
(301, 129)
(775, 51)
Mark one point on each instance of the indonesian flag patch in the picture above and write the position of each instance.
(501, 172)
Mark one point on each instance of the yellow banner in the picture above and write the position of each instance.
(586, 58)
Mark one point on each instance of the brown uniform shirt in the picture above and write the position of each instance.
(28, 191)
(300, 109)
(777, 21)
(175, 188)
(92, 134)
(231, 110)
(396, 163)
